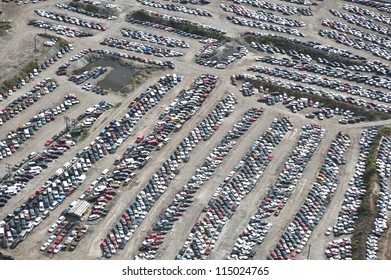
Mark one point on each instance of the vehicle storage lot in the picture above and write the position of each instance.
(140, 220)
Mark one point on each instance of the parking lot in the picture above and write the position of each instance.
(228, 149)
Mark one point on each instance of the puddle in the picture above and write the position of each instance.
(118, 76)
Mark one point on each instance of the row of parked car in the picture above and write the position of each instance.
(110, 53)
(161, 180)
(15, 138)
(278, 193)
(67, 178)
(70, 19)
(362, 35)
(317, 200)
(154, 38)
(55, 147)
(338, 72)
(88, 118)
(297, 104)
(287, 10)
(313, 44)
(140, 48)
(357, 189)
(363, 22)
(108, 13)
(228, 195)
(59, 241)
(187, 21)
(88, 74)
(20, 104)
(341, 38)
(264, 26)
(339, 249)
(171, 120)
(302, 2)
(312, 91)
(260, 15)
(38, 205)
(368, 65)
(207, 56)
(176, 8)
(175, 30)
(179, 205)
(36, 71)
(365, 12)
(94, 88)
(383, 168)
(383, 7)
(325, 82)
(59, 29)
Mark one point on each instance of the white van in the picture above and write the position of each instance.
(67, 165)
(105, 172)
(53, 205)
(41, 207)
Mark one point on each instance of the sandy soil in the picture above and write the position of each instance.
(17, 47)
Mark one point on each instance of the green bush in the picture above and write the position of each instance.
(366, 217)
(371, 115)
(187, 27)
(288, 44)
(8, 84)
(5, 26)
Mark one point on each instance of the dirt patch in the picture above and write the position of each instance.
(367, 212)
(364, 224)
(34, 54)
(225, 50)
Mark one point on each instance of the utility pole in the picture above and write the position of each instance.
(35, 43)
(309, 251)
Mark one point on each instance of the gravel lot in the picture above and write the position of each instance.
(18, 47)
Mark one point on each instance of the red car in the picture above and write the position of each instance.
(51, 248)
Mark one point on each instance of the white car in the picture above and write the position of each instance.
(52, 227)
(57, 249)
(328, 231)
(45, 246)
(93, 217)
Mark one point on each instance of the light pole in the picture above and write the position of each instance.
(35, 43)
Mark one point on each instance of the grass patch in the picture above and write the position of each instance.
(367, 211)
(371, 115)
(87, 7)
(184, 26)
(5, 26)
(296, 45)
(137, 80)
(61, 43)
(91, 8)
(105, 119)
(28, 68)
(116, 105)
(83, 135)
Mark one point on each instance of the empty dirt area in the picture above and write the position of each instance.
(160, 147)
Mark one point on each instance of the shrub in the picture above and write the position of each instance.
(288, 44)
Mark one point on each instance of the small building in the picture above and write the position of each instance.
(79, 209)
